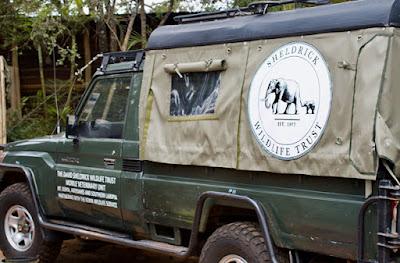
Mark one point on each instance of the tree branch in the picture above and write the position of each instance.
(128, 32)
(113, 33)
(143, 23)
(165, 17)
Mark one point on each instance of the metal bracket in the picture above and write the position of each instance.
(388, 238)
(80, 71)
(137, 56)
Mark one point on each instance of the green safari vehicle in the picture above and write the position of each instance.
(242, 136)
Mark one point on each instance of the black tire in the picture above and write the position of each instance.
(19, 195)
(241, 239)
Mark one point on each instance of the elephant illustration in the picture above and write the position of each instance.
(285, 90)
(310, 106)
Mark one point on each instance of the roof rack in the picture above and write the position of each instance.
(137, 57)
(253, 8)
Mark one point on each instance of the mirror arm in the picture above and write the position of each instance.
(72, 128)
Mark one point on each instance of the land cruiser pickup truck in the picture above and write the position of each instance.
(237, 136)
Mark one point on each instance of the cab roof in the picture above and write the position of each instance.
(305, 21)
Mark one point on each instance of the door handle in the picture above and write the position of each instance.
(109, 163)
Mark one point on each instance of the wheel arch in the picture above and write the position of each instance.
(10, 174)
(208, 202)
(220, 212)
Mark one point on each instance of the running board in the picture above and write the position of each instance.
(116, 238)
(88, 228)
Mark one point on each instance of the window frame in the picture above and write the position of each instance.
(86, 95)
(208, 116)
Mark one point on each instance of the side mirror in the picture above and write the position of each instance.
(71, 129)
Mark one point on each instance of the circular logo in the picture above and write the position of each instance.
(289, 101)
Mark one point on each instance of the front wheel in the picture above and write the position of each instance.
(20, 233)
(239, 242)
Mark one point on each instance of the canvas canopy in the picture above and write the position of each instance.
(197, 100)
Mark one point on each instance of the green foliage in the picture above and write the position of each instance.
(33, 127)
(46, 28)
(14, 23)
(136, 40)
(33, 124)
(53, 26)
(66, 53)
(55, 20)
(160, 9)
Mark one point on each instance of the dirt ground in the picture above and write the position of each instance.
(77, 252)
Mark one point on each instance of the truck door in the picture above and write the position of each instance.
(89, 167)
(132, 170)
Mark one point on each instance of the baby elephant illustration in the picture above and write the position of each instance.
(310, 106)
(285, 90)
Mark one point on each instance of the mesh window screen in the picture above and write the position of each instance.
(194, 93)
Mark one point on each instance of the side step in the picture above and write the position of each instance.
(115, 238)
(88, 228)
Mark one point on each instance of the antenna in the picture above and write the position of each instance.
(58, 125)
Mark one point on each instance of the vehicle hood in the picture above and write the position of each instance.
(40, 144)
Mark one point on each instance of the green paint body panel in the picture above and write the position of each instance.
(305, 213)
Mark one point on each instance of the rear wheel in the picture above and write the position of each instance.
(239, 242)
(20, 233)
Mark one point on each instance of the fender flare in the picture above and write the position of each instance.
(258, 208)
(28, 174)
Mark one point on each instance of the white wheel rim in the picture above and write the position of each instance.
(232, 259)
(19, 228)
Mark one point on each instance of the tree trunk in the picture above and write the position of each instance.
(128, 32)
(101, 29)
(72, 71)
(88, 56)
(143, 24)
(166, 16)
(102, 34)
(42, 80)
(112, 23)
(16, 92)
(114, 45)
